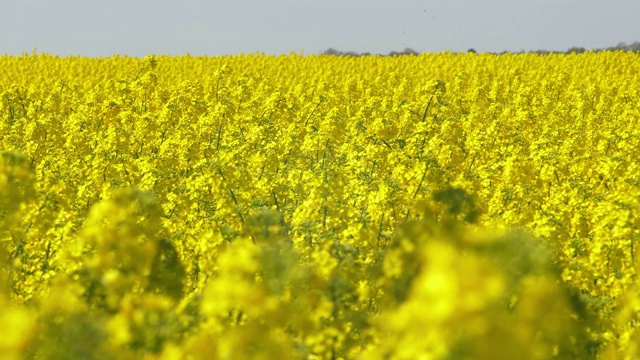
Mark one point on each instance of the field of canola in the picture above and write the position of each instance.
(441, 206)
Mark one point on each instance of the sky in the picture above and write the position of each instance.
(100, 28)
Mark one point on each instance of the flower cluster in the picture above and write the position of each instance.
(432, 206)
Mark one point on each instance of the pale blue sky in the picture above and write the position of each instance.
(141, 27)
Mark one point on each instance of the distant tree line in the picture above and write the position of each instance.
(332, 51)
(634, 47)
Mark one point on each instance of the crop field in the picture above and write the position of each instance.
(439, 206)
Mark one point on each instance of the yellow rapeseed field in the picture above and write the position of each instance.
(440, 206)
